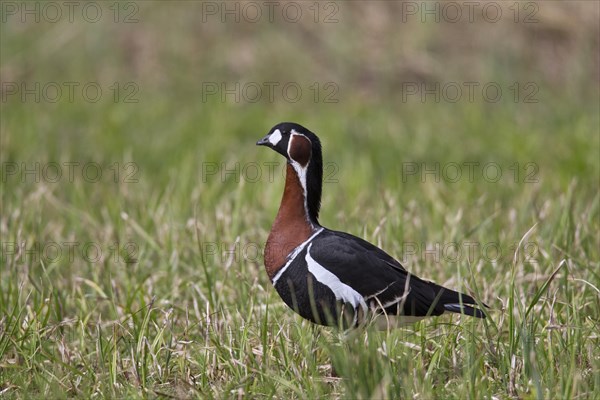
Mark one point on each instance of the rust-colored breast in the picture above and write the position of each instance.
(291, 227)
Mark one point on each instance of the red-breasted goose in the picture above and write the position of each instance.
(334, 278)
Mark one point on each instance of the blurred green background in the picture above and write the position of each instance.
(173, 133)
(173, 53)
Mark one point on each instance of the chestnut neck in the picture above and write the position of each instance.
(292, 225)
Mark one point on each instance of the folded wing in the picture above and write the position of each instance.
(383, 282)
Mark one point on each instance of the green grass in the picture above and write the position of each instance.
(159, 288)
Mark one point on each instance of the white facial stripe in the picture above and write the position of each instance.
(301, 174)
(341, 291)
(293, 255)
(300, 170)
(275, 137)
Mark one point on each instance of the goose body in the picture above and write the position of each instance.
(331, 277)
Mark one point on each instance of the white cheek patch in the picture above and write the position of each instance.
(275, 137)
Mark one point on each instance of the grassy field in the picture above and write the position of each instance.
(133, 220)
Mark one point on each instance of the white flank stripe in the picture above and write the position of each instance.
(275, 137)
(341, 291)
(293, 255)
(455, 307)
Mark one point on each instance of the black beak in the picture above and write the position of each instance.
(264, 141)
